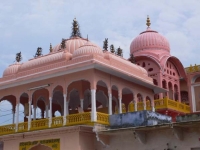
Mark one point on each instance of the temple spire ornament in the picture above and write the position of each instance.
(75, 29)
(18, 57)
(50, 49)
(119, 52)
(63, 45)
(132, 59)
(112, 48)
(105, 44)
(38, 52)
(148, 22)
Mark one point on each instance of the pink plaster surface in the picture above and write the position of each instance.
(149, 39)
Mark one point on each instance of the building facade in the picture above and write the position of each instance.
(86, 84)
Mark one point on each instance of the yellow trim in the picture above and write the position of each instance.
(39, 124)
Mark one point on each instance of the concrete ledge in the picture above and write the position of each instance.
(136, 119)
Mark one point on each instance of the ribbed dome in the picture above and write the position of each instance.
(71, 44)
(45, 60)
(11, 70)
(149, 39)
(88, 48)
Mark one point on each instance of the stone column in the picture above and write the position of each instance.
(93, 105)
(135, 101)
(13, 113)
(167, 87)
(81, 102)
(67, 106)
(110, 103)
(144, 102)
(47, 111)
(152, 104)
(120, 103)
(50, 112)
(34, 112)
(64, 116)
(17, 117)
(193, 99)
(29, 114)
(160, 84)
(173, 98)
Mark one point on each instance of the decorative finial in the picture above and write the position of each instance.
(87, 37)
(38, 52)
(120, 52)
(75, 29)
(50, 49)
(148, 21)
(105, 44)
(112, 48)
(132, 59)
(18, 57)
(63, 45)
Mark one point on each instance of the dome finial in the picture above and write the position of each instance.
(50, 49)
(75, 29)
(148, 21)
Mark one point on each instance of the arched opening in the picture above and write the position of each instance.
(127, 97)
(57, 113)
(58, 100)
(102, 97)
(148, 103)
(7, 110)
(170, 88)
(115, 105)
(140, 103)
(155, 82)
(176, 92)
(139, 98)
(24, 108)
(40, 108)
(74, 101)
(164, 85)
(79, 96)
(40, 104)
(184, 97)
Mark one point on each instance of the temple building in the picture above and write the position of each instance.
(104, 101)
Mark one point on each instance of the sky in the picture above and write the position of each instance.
(26, 25)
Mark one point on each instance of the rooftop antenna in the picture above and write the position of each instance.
(87, 37)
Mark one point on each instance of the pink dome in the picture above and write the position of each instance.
(71, 44)
(149, 40)
(88, 48)
(11, 70)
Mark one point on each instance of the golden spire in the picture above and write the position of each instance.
(148, 21)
